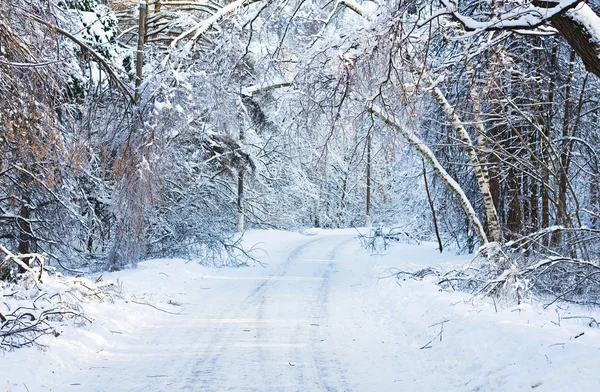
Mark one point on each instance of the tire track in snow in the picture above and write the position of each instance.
(262, 329)
(203, 372)
(330, 372)
(282, 269)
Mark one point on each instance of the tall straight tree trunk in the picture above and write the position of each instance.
(595, 196)
(563, 170)
(534, 143)
(480, 173)
(545, 191)
(595, 186)
(24, 225)
(431, 206)
(240, 192)
(526, 201)
(515, 216)
(240, 201)
(368, 207)
(139, 60)
(534, 205)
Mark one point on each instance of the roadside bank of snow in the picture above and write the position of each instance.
(452, 341)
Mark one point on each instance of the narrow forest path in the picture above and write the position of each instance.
(317, 318)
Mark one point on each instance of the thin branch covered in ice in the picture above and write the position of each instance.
(527, 16)
(203, 26)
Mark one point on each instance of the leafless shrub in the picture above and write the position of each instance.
(30, 308)
(379, 239)
(511, 275)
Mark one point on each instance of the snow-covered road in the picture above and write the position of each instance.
(269, 331)
(260, 333)
(318, 317)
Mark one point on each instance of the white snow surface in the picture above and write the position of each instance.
(320, 316)
(586, 17)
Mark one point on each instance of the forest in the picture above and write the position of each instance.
(165, 128)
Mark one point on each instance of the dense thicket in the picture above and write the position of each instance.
(234, 114)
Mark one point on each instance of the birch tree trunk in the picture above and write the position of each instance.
(480, 173)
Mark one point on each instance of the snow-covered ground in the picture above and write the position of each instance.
(320, 316)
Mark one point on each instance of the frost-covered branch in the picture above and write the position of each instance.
(203, 26)
(576, 21)
(439, 170)
(522, 17)
(107, 68)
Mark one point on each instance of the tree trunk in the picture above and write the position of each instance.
(240, 191)
(431, 206)
(480, 173)
(534, 143)
(240, 201)
(24, 231)
(545, 147)
(368, 209)
(563, 170)
(595, 185)
(595, 196)
(515, 215)
(139, 61)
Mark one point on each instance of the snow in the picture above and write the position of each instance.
(586, 17)
(446, 178)
(322, 315)
(203, 26)
(524, 16)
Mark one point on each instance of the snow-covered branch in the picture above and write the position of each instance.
(522, 17)
(439, 170)
(203, 26)
(97, 57)
(580, 26)
(251, 91)
(573, 19)
(354, 6)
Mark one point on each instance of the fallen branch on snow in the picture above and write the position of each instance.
(37, 298)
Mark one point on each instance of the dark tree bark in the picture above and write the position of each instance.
(431, 206)
(368, 207)
(579, 37)
(24, 225)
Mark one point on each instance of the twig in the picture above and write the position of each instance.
(592, 320)
(162, 310)
(427, 345)
(89, 50)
